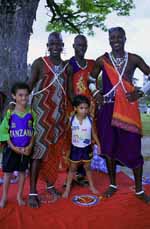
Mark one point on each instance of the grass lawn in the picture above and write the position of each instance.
(146, 123)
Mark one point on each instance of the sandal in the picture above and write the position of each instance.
(142, 196)
(110, 191)
(33, 200)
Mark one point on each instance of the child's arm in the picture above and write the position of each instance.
(95, 137)
(4, 127)
(14, 148)
(28, 149)
(1, 145)
(22, 150)
(4, 132)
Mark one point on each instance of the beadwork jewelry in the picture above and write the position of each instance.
(80, 65)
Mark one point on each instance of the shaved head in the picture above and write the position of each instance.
(117, 29)
(55, 44)
(55, 35)
(82, 37)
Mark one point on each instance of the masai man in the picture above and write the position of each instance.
(118, 119)
(49, 82)
(78, 74)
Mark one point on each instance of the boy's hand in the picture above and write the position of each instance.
(65, 156)
(22, 150)
(17, 149)
(28, 150)
(65, 159)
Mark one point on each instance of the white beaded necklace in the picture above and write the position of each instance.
(119, 63)
(57, 68)
(118, 60)
(120, 74)
(80, 65)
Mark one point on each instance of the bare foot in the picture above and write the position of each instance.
(109, 192)
(21, 202)
(144, 198)
(94, 190)
(66, 194)
(3, 203)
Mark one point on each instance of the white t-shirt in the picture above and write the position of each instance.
(81, 133)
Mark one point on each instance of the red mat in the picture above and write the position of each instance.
(122, 211)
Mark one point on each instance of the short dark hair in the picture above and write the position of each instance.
(79, 99)
(120, 29)
(19, 85)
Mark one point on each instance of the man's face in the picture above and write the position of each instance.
(117, 40)
(55, 45)
(80, 46)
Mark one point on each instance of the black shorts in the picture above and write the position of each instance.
(12, 161)
(79, 154)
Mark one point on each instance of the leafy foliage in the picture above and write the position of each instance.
(79, 16)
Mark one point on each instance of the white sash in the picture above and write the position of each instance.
(120, 76)
(56, 75)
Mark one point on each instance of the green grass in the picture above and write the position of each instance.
(146, 124)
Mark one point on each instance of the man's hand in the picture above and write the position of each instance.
(99, 98)
(134, 96)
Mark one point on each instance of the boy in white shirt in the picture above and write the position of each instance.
(83, 131)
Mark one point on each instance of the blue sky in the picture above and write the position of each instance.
(136, 26)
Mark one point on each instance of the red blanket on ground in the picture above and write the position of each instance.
(122, 211)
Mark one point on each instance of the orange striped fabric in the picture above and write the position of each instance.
(126, 115)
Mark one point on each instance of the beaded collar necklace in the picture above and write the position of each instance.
(80, 65)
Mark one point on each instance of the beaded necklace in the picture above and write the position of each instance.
(80, 65)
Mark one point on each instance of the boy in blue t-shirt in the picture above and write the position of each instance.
(17, 130)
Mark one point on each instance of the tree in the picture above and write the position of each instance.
(82, 16)
(16, 20)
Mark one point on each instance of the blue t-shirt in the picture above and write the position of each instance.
(19, 127)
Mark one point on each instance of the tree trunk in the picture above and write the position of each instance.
(15, 30)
